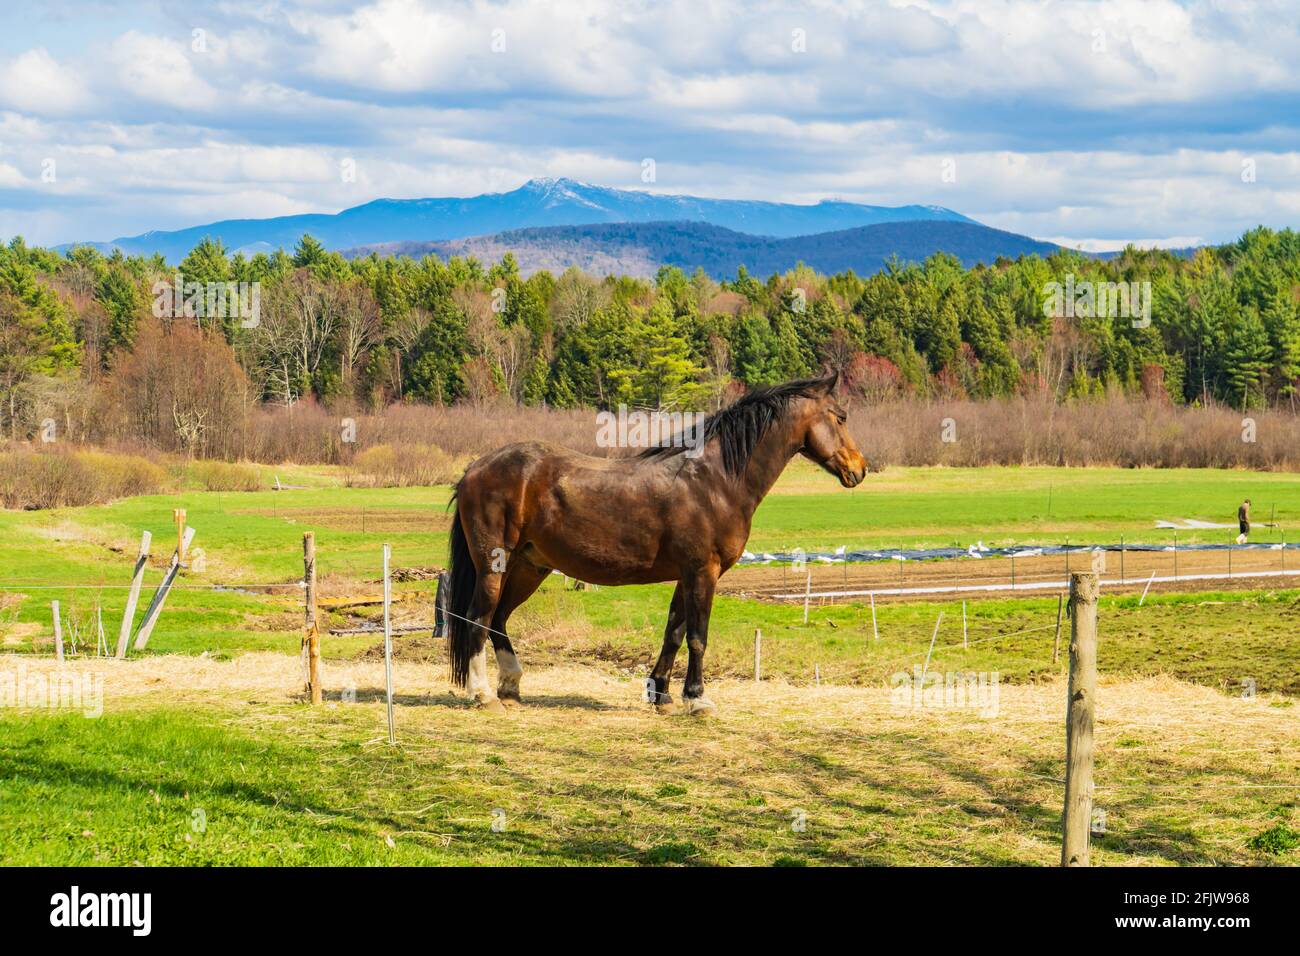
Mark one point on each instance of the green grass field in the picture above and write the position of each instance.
(281, 784)
(256, 538)
(925, 507)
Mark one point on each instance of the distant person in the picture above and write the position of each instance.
(1243, 521)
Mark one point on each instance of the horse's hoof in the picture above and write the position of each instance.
(492, 705)
(511, 702)
(699, 706)
(664, 707)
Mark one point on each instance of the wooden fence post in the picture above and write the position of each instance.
(137, 578)
(58, 632)
(178, 516)
(807, 594)
(758, 654)
(311, 628)
(154, 610)
(1077, 818)
(388, 645)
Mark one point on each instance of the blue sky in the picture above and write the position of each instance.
(1091, 123)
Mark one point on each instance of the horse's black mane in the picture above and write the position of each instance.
(741, 425)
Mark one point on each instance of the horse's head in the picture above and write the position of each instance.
(826, 441)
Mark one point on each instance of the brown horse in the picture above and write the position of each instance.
(678, 512)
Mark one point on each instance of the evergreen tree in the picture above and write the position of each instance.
(1247, 359)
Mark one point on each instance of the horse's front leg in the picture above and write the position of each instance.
(698, 600)
(674, 631)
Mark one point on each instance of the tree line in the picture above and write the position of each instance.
(1224, 327)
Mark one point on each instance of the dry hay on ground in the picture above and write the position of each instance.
(1156, 702)
(414, 648)
(428, 573)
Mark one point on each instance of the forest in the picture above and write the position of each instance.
(86, 350)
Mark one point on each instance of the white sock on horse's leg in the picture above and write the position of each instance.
(478, 685)
(508, 673)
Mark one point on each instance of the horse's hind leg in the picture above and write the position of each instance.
(522, 580)
(488, 520)
(698, 594)
(477, 686)
(674, 631)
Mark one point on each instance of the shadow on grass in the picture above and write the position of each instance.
(459, 702)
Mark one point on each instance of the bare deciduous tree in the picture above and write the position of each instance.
(404, 332)
(359, 328)
(297, 321)
(508, 350)
(576, 300)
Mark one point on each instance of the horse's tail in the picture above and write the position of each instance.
(461, 639)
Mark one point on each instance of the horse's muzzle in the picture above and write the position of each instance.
(851, 467)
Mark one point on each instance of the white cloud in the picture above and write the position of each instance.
(11, 178)
(35, 82)
(159, 69)
(520, 46)
(1051, 135)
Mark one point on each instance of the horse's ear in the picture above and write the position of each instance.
(829, 382)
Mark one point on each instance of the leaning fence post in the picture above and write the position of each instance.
(156, 605)
(1143, 598)
(875, 631)
(311, 629)
(933, 637)
(1077, 818)
(137, 578)
(58, 631)
(388, 645)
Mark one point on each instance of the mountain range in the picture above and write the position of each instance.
(639, 249)
(537, 203)
(556, 223)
